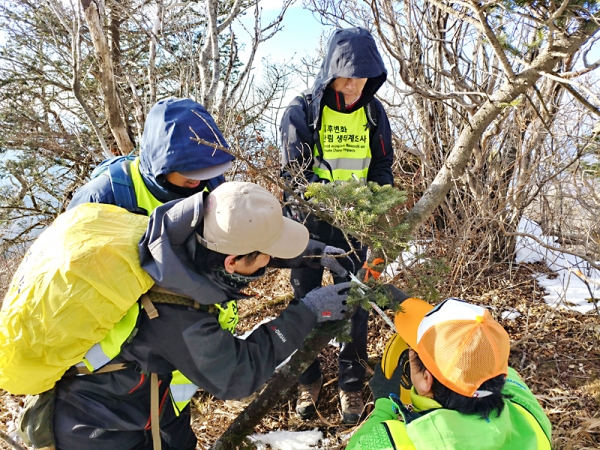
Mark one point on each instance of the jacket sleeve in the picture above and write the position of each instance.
(97, 190)
(297, 141)
(214, 359)
(382, 153)
(310, 258)
(367, 435)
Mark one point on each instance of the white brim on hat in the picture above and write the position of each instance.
(291, 243)
(207, 172)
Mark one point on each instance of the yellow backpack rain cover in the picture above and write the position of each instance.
(75, 283)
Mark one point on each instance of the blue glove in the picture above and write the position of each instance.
(340, 265)
(329, 302)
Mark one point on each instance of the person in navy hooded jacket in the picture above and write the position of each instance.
(172, 163)
(334, 132)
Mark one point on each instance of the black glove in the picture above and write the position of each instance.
(381, 387)
(329, 302)
(396, 295)
(340, 265)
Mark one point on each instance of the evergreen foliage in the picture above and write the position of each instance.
(370, 212)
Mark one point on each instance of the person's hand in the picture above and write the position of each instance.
(381, 387)
(395, 295)
(339, 265)
(329, 302)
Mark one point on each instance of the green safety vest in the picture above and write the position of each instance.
(344, 141)
(526, 417)
(182, 390)
(399, 433)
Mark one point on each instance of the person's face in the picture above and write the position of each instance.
(350, 87)
(421, 380)
(242, 266)
(179, 180)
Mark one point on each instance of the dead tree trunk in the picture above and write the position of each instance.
(112, 103)
(279, 386)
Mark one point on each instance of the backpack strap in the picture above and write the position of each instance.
(155, 412)
(161, 295)
(122, 186)
(307, 97)
(82, 370)
(371, 113)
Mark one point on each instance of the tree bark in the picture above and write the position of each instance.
(460, 154)
(278, 386)
(112, 105)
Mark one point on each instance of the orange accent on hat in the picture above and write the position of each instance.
(241, 218)
(459, 343)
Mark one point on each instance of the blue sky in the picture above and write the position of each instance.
(299, 37)
(300, 33)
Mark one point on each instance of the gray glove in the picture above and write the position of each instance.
(339, 265)
(381, 387)
(329, 302)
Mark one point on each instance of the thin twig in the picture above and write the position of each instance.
(6, 438)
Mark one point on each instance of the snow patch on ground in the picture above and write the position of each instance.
(288, 440)
(568, 290)
(511, 314)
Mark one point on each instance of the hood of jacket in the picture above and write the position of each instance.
(168, 143)
(351, 53)
(166, 250)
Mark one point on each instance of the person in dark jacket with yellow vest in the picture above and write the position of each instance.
(171, 165)
(200, 251)
(334, 132)
(464, 395)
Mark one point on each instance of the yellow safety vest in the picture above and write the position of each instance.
(344, 139)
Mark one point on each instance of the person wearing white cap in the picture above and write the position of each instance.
(463, 396)
(172, 163)
(201, 252)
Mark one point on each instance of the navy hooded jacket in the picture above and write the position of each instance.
(351, 53)
(167, 146)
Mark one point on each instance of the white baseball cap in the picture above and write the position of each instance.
(241, 218)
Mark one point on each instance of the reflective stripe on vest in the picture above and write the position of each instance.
(542, 439)
(346, 146)
(109, 347)
(182, 391)
(398, 435)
